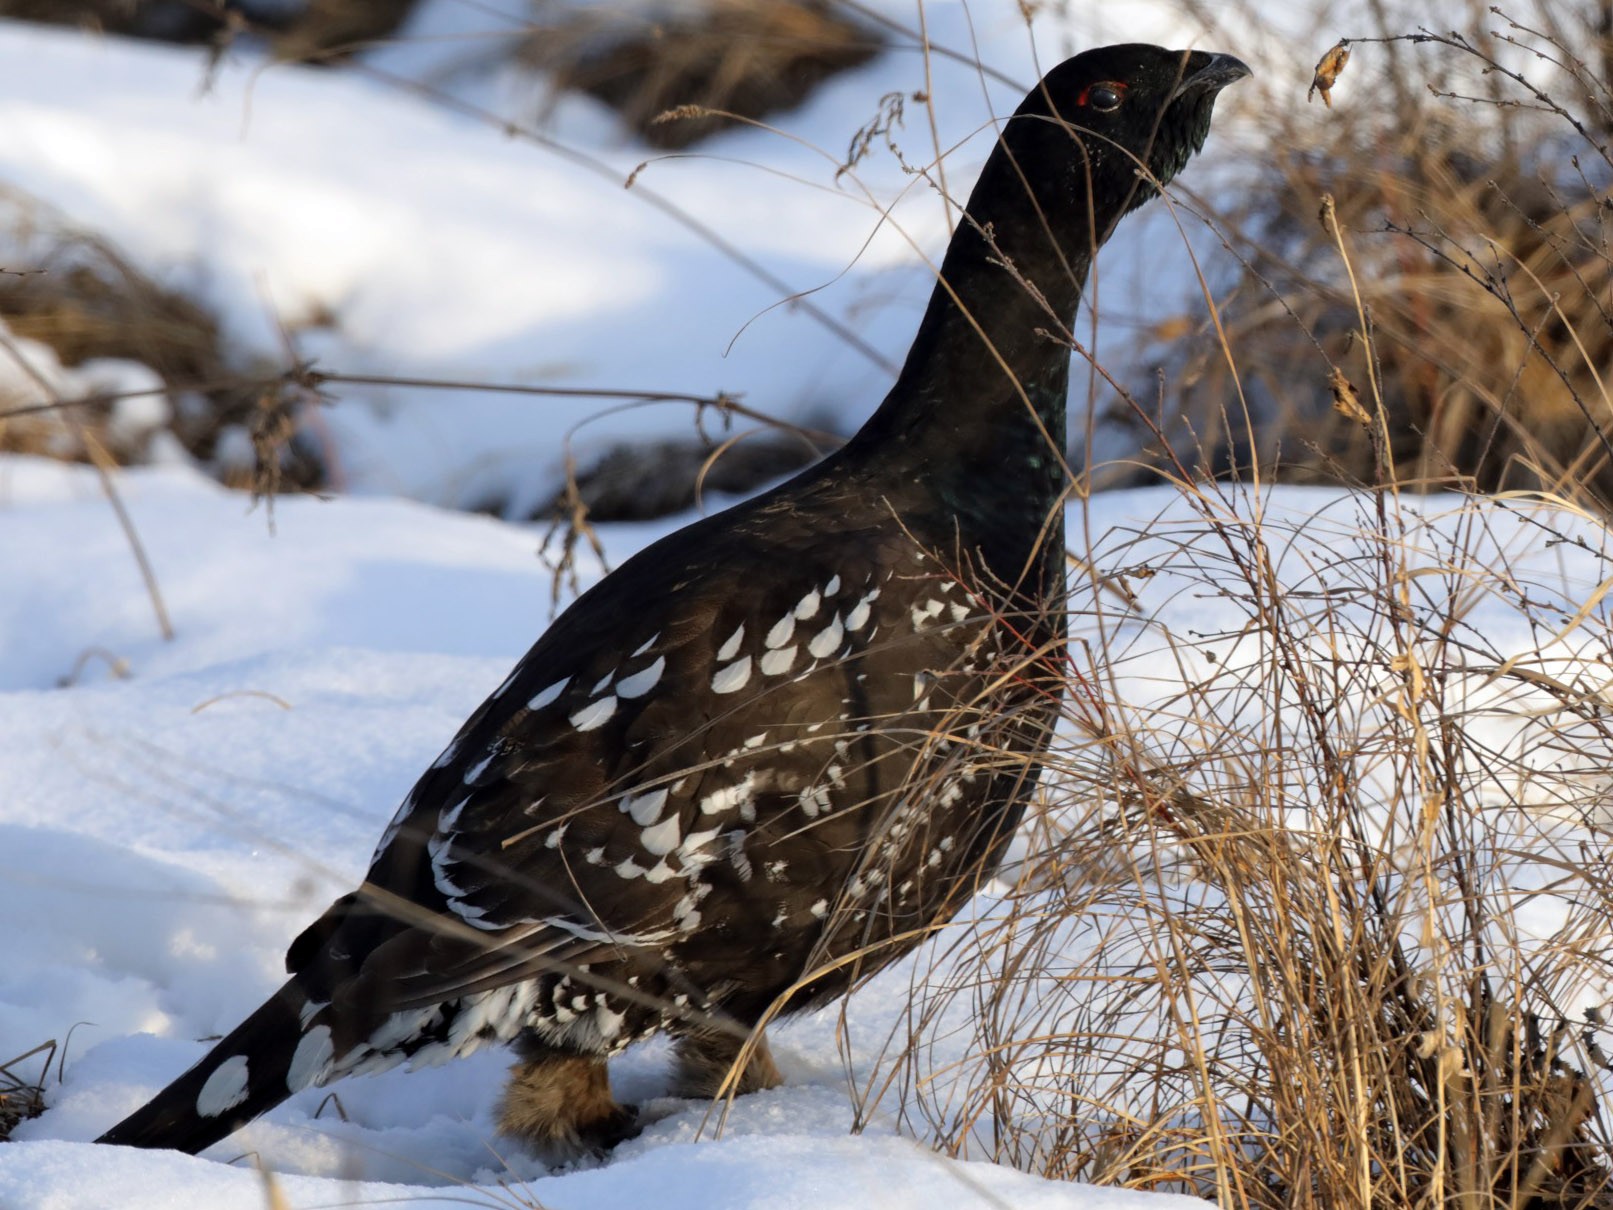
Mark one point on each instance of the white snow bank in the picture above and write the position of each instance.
(778, 1173)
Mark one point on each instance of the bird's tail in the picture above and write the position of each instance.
(278, 1050)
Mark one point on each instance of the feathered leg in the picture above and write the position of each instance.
(706, 1058)
(560, 1103)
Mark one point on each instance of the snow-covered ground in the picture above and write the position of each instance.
(164, 834)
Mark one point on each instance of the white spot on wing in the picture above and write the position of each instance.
(602, 682)
(645, 808)
(627, 868)
(808, 608)
(826, 640)
(441, 860)
(781, 631)
(225, 1088)
(479, 768)
(923, 613)
(720, 802)
(311, 1059)
(695, 851)
(832, 587)
(647, 643)
(595, 713)
(448, 818)
(858, 617)
(686, 913)
(548, 695)
(641, 683)
(731, 678)
(814, 801)
(731, 648)
(662, 838)
(777, 663)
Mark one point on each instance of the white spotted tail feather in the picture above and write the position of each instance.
(264, 1060)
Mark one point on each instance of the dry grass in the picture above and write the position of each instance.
(328, 30)
(746, 57)
(1307, 921)
(83, 299)
(23, 1097)
(318, 31)
(1473, 205)
(1318, 910)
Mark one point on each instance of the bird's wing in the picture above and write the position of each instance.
(570, 817)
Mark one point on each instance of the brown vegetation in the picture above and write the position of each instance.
(317, 31)
(1470, 204)
(745, 57)
(1302, 931)
(76, 294)
(23, 1097)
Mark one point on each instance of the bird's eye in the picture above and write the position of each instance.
(1105, 98)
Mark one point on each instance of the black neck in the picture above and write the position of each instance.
(978, 411)
(990, 357)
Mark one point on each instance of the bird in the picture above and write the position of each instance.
(771, 752)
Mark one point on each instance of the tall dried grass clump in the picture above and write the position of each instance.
(1469, 173)
(312, 30)
(1317, 911)
(23, 1096)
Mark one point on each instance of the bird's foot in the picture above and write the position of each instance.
(601, 1136)
(560, 1106)
(706, 1064)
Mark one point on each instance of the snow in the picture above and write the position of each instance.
(168, 831)
(762, 1172)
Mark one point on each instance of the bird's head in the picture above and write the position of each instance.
(1096, 138)
(1123, 119)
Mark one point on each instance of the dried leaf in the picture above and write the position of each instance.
(1327, 72)
(1346, 399)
